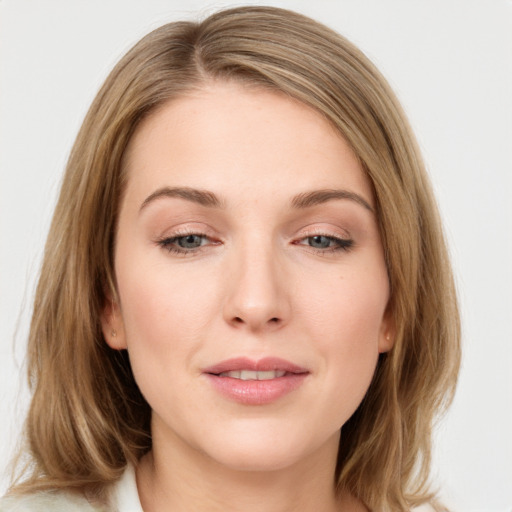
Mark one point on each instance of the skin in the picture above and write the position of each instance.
(258, 285)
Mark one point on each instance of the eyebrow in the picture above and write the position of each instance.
(316, 197)
(202, 197)
(300, 201)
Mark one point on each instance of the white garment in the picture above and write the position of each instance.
(47, 502)
(124, 498)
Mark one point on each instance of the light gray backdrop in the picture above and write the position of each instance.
(450, 62)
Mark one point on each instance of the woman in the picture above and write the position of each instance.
(246, 300)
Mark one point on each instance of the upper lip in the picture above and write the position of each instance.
(262, 365)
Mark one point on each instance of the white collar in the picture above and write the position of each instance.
(124, 494)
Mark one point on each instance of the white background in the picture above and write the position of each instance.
(450, 62)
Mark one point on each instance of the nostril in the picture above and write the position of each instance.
(238, 320)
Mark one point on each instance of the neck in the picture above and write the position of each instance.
(180, 479)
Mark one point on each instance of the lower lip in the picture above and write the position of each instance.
(256, 392)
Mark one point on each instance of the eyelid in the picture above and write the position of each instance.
(167, 240)
(186, 228)
(326, 230)
(342, 242)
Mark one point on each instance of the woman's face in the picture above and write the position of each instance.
(251, 279)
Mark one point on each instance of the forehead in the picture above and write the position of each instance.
(228, 138)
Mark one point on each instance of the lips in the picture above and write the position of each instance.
(263, 365)
(253, 375)
(252, 382)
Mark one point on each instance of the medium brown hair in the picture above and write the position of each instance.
(87, 418)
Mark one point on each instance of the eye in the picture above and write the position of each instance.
(320, 241)
(325, 243)
(185, 244)
(190, 241)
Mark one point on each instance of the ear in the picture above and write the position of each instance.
(112, 325)
(387, 332)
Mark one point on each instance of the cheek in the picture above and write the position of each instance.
(157, 301)
(346, 322)
(166, 313)
(161, 323)
(350, 307)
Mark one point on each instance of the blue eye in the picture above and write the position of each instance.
(320, 241)
(324, 243)
(184, 244)
(189, 241)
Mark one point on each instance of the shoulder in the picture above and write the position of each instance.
(46, 502)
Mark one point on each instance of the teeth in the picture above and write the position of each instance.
(253, 375)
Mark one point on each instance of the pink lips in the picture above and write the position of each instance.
(255, 392)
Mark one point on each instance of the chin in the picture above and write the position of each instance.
(266, 450)
(257, 460)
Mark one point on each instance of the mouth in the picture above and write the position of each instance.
(253, 375)
(255, 382)
(248, 369)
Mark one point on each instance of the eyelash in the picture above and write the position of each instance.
(169, 244)
(340, 244)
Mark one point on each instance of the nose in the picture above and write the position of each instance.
(258, 295)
